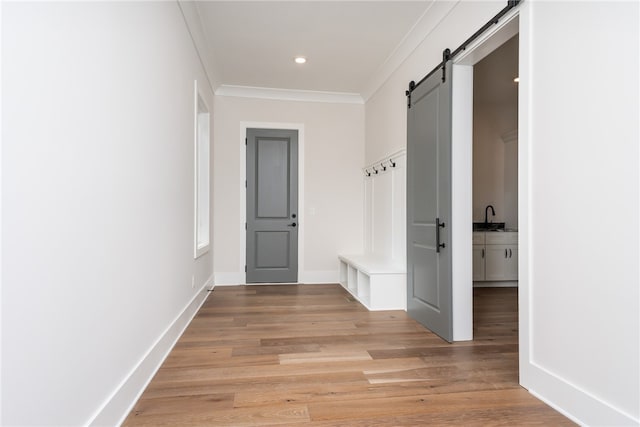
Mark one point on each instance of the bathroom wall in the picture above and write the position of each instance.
(495, 124)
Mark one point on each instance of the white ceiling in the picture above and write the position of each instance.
(253, 43)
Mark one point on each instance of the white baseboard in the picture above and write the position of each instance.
(574, 402)
(238, 278)
(116, 408)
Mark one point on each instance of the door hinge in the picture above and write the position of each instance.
(245, 225)
(245, 141)
(245, 268)
(245, 183)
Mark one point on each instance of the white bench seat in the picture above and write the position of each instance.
(378, 283)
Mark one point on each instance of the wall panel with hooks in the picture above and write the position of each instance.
(385, 164)
(377, 277)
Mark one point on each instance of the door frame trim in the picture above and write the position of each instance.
(462, 173)
(244, 125)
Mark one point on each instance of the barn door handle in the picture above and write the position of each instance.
(438, 244)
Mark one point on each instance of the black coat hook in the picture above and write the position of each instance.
(393, 164)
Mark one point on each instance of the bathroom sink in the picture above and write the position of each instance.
(489, 226)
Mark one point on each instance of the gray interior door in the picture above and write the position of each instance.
(272, 206)
(429, 205)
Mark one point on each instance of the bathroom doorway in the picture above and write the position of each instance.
(495, 190)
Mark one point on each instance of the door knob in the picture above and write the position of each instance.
(292, 225)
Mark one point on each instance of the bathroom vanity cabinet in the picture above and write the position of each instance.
(495, 256)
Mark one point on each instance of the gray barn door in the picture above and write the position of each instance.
(429, 204)
(272, 206)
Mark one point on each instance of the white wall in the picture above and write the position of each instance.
(332, 220)
(495, 115)
(97, 225)
(495, 163)
(488, 166)
(580, 168)
(581, 203)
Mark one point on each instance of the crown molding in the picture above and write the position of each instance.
(289, 94)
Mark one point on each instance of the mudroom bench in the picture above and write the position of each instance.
(378, 283)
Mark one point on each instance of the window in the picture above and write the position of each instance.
(201, 174)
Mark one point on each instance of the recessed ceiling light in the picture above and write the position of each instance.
(300, 59)
(517, 80)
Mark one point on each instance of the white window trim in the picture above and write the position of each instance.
(201, 207)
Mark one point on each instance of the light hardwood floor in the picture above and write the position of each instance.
(311, 355)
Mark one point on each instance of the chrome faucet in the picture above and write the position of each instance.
(493, 213)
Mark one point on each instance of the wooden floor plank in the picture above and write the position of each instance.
(426, 405)
(263, 416)
(311, 355)
(324, 356)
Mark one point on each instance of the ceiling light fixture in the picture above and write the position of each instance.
(300, 59)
